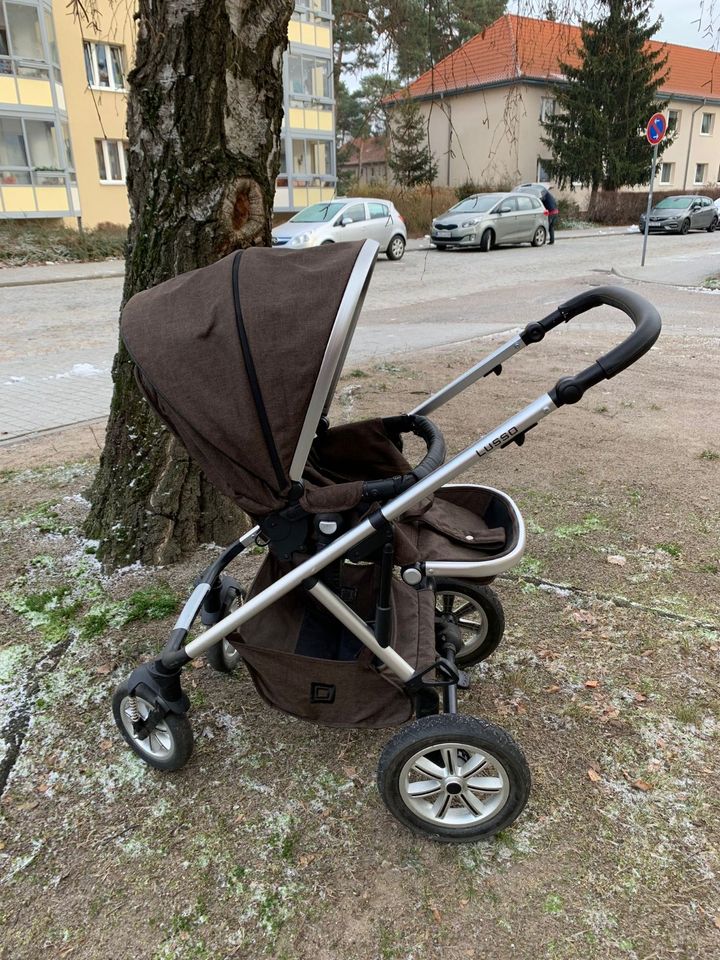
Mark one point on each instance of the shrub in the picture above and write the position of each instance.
(22, 243)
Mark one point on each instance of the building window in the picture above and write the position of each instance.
(547, 109)
(112, 160)
(700, 172)
(309, 76)
(24, 27)
(542, 175)
(673, 125)
(104, 66)
(30, 152)
(312, 157)
(708, 122)
(666, 173)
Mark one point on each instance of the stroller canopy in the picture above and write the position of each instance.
(241, 359)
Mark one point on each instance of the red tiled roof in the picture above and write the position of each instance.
(514, 47)
(370, 150)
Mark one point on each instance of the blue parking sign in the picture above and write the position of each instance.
(656, 128)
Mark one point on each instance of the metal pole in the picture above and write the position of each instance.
(649, 205)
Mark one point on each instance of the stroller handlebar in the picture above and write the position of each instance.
(382, 490)
(647, 329)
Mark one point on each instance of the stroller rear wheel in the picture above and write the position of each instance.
(167, 746)
(478, 614)
(455, 779)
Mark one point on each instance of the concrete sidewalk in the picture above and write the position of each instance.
(37, 274)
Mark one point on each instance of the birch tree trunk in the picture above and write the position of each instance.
(204, 114)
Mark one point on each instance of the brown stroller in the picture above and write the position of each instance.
(374, 596)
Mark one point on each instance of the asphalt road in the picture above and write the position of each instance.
(59, 338)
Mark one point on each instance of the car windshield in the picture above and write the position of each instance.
(674, 203)
(317, 213)
(480, 204)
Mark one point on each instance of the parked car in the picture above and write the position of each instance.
(536, 189)
(486, 220)
(345, 218)
(680, 214)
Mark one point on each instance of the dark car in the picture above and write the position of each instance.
(681, 214)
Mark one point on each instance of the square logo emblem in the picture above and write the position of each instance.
(322, 693)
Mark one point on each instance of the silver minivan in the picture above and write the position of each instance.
(486, 220)
(346, 218)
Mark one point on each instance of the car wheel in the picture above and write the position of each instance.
(538, 238)
(713, 226)
(684, 227)
(396, 248)
(326, 242)
(486, 241)
(440, 246)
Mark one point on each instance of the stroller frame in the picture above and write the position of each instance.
(159, 680)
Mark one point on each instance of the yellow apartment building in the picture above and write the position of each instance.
(62, 111)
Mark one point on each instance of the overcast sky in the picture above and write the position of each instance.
(678, 25)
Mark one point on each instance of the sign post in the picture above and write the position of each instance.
(655, 133)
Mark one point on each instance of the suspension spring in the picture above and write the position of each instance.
(132, 709)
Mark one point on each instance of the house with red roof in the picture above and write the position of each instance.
(484, 105)
(364, 158)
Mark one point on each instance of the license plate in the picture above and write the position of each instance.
(443, 233)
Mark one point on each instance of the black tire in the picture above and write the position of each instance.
(713, 226)
(455, 811)
(486, 611)
(539, 237)
(325, 242)
(396, 247)
(486, 240)
(171, 745)
(684, 227)
(224, 657)
(440, 246)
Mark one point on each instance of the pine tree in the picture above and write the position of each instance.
(410, 158)
(604, 104)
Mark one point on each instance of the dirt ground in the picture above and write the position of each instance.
(273, 841)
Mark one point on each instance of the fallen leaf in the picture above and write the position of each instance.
(591, 684)
(350, 772)
(716, 921)
(617, 561)
(641, 785)
(640, 698)
(42, 787)
(105, 669)
(609, 714)
(594, 775)
(436, 913)
(553, 689)
(2, 844)
(105, 745)
(584, 616)
(645, 653)
(197, 664)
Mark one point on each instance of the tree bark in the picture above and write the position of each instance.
(204, 115)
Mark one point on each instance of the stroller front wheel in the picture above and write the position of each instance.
(478, 614)
(169, 743)
(455, 779)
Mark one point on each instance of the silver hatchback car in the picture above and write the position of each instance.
(349, 218)
(485, 220)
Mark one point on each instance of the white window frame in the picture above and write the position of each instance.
(703, 167)
(545, 112)
(108, 165)
(540, 170)
(671, 172)
(711, 125)
(676, 127)
(114, 85)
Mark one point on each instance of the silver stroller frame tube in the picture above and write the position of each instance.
(567, 390)
(392, 510)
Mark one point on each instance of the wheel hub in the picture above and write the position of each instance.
(453, 786)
